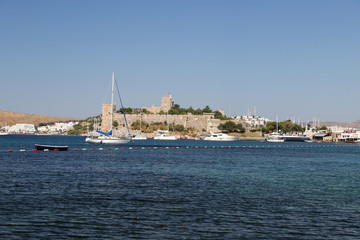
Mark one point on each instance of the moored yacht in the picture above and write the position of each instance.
(164, 135)
(139, 137)
(3, 133)
(296, 138)
(220, 137)
(274, 137)
(107, 137)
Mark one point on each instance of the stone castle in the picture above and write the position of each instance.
(166, 104)
(201, 123)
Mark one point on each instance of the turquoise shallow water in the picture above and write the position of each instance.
(205, 190)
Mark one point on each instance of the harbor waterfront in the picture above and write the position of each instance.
(183, 189)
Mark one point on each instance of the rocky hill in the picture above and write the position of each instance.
(12, 118)
(355, 124)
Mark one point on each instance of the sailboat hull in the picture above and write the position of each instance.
(107, 140)
(139, 137)
(165, 137)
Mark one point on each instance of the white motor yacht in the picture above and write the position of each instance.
(139, 137)
(274, 138)
(164, 135)
(220, 137)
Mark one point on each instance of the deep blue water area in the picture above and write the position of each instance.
(182, 189)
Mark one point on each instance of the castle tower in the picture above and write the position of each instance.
(106, 117)
(166, 103)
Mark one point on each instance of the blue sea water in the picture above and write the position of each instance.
(183, 189)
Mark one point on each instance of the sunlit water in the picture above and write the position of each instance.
(237, 190)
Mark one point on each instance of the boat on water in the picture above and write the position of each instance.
(296, 138)
(139, 136)
(3, 132)
(220, 137)
(164, 135)
(107, 137)
(40, 147)
(274, 137)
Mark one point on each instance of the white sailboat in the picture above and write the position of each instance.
(165, 134)
(139, 136)
(106, 137)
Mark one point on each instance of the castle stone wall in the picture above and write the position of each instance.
(198, 122)
(201, 123)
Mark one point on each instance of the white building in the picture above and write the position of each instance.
(57, 127)
(22, 128)
(254, 121)
(349, 136)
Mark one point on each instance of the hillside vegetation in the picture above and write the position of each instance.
(12, 118)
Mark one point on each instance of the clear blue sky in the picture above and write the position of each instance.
(287, 58)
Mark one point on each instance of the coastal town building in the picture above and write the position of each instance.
(252, 121)
(21, 128)
(57, 127)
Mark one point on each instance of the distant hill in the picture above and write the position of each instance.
(355, 124)
(12, 118)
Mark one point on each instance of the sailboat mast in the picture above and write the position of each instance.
(167, 122)
(140, 120)
(112, 101)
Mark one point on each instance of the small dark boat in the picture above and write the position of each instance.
(50, 148)
(289, 138)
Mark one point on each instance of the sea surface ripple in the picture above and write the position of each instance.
(255, 191)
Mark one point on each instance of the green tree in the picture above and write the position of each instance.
(136, 125)
(207, 109)
(77, 129)
(128, 110)
(145, 111)
(264, 130)
(218, 115)
(231, 126)
(271, 126)
(323, 128)
(115, 123)
(190, 110)
(177, 127)
(198, 112)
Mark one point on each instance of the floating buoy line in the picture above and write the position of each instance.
(187, 147)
